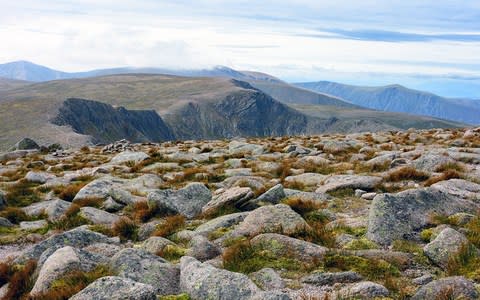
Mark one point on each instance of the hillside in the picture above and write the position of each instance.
(396, 98)
(6, 83)
(193, 107)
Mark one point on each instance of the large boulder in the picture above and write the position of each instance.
(224, 221)
(61, 262)
(337, 182)
(363, 290)
(129, 156)
(397, 216)
(457, 287)
(77, 238)
(98, 188)
(203, 281)
(235, 196)
(116, 288)
(147, 268)
(278, 218)
(187, 201)
(26, 144)
(239, 147)
(446, 244)
(98, 216)
(273, 196)
(282, 245)
(39, 177)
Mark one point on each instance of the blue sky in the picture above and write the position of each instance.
(425, 44)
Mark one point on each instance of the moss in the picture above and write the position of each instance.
(245, 258)
(219, 232)
(426, 235)
(342, 193)
(103, 229)
(22, 194)
(172, 253)
(372, 269)
(361, 244)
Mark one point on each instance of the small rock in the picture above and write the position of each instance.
(39, 177)
(155, 244)
(422, 280)
(202, 249)
(98, 216)
(364, 290)
(235, 196)
(337, 182)
(5, 222)
(26, 144)
(129, 156)
(327, 278)
(33, 225)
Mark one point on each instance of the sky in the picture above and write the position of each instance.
(432, 45)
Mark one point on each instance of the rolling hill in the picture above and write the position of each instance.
(190, 107)
(396, 98)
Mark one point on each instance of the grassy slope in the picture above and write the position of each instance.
(27, 109)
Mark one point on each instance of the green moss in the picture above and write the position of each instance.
(219, 232)
(172, 253)
(245, 258)
(426, 235)
(372, 269)
(342, 193)
(361, 244)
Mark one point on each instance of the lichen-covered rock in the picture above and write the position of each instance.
(396, 216)
(187, 201)
(98, 188)
(203, 281)
(129, 156)
(235, 196)
(429, 162)
(39, 177)
(155, 244)
(328, 278)
(54, 209)
(61, 262)
(364, 290)
(459, 188)
(457, 287)
(221, 222)
(447, 243)
(273, 196)
(33, 225)
(239, 147)
(337, 182)
(98, 216)
(147, 268)
(307, 179)
(282, 245)
(267, 279)
(116, 288)
(77, 238)
(278, 218)
(202, 249)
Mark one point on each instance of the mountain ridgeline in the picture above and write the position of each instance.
(396, 98)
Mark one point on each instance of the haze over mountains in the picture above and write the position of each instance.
(106, 105)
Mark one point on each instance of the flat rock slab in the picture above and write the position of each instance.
(337, 182)
(116, 288)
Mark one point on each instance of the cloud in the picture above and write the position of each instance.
(394, 36)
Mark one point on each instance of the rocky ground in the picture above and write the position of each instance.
(390, 215)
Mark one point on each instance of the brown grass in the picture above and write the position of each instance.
(407, 173)
(303, 207)
(21, 281)
(68, 193)
(170, 225)
(141, 212)
(5, 272)
(72, 283)
(450, 166)
(14, 215)
(446, 175)
(90, 201)
(22, 194)
(126, 229)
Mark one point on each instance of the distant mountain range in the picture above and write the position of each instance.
(101, 107)
(396, 98)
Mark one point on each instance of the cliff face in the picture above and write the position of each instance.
(105, 124)
(242, 113)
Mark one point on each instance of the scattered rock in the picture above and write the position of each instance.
(337, 182)
(203, 281)
(273, 196)
(5, 222)
(155, 244)
(187, 201)
(267, 279)
(457, 287)
(147, 268)
(26, 144)
(116, 288)
(202, 249)
(39, 177)
(98, 216)
(128, 156)
(33, 225)
(327, 278)
(233, 197)
(364, 290)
